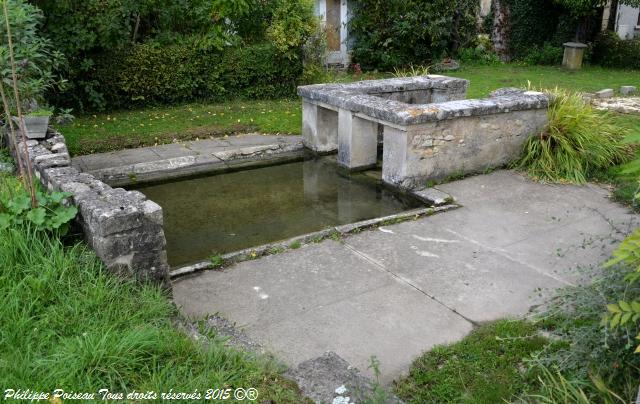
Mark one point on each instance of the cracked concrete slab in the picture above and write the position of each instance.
(400, 289)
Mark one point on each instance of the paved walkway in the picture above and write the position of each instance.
(396, 291)
(187, 158)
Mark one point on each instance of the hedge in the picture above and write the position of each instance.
(611, 51)
(393, 33)
(153, 74)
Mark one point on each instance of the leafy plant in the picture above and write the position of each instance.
(546, 54)
(599, 360)
(36, 60)
(478, 55)
(51, 214)
(611, 51)
(216, 260)
(577, 141)
(626, 312)
(411, 71)
(64, 116)
(292, 24)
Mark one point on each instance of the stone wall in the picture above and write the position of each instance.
(124, 228)
(440, 149)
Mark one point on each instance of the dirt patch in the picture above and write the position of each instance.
(132, 140)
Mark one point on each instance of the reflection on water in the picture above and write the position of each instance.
(229, 212)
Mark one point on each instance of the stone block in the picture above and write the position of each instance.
(433, 196)
(628, 90)
(606, 93)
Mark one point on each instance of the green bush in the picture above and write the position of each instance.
(577, 142)
(478, 56)
(544, 55)
(149, 73)
(536, 30)
(611, 51)
(395, 33)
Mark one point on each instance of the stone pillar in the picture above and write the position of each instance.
(319, 128)
(357, 141)
(394, 156)
(573, 52)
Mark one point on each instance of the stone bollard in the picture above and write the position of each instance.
(573, 53)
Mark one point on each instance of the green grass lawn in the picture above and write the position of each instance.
(485, 79)
(162, 124)
(155, 125)
(485, 367)
(69, 324)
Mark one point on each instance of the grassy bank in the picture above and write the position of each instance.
(69, 324)
(485, 367)
(128, 129)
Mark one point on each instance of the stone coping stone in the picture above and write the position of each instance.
(361, 97)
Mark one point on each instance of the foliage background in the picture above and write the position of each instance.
(187, 42)
(393, 33)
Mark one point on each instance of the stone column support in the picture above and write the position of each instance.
(357, 141)
(319, 128)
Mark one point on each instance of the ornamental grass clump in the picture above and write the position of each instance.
(577, 142)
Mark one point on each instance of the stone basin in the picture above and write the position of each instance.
(428, 129)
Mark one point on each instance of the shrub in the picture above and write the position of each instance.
(149, 73)
(577, 142)
(545, 55)
(395, 33)
(293, 22)
(478, 56)
(34, 55)
(532, 23)
(611, 51)
(599, 360)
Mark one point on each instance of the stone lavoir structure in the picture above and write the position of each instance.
(124, 228)
(429, 130)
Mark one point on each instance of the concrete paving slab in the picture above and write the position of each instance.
(167, 151)
(395, 323)
(474, 281)
(398, 290)
(280, 286)
(137, 156)
(99, 161)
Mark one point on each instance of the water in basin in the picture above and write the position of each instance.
(229, 212)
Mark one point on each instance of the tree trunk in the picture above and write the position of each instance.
(500, 30)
